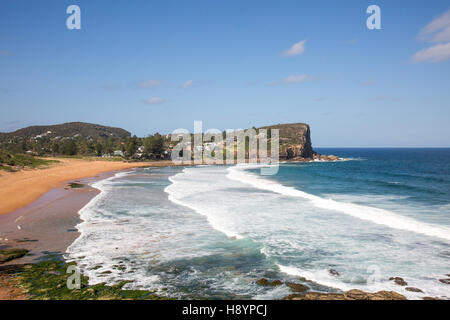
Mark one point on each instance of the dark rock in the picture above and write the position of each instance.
(348, 295)
(333, 272)
(412, 289)
(356, 295)
(266, 283)
(446, 281)
(11, 254)
(262, 282)
(74, 185)
(277, 283)
(297, 287)
(399, 281)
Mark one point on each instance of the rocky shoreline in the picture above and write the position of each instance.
(12, 279)
(47, 280)
(303, 292)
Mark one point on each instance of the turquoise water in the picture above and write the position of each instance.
(212, 231)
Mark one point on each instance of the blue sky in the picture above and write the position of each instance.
(155, 66)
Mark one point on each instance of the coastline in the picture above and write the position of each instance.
(47, 224)
(19, 189)
(47, 227)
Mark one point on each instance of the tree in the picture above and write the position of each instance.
(70, 148)
(24, 145)
(55, 147)
(154, 144)
(91, 147)
(98, 148)
(158, 144)
(132, 146)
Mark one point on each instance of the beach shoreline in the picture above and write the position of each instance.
(47, 226)
(39, 210)
(46, 209)
(19, 189)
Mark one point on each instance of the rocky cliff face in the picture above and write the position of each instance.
(295, 141)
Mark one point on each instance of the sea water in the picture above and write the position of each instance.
(213, 231)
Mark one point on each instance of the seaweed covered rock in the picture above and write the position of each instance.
(11, 254)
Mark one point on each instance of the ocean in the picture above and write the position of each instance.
(213, 231)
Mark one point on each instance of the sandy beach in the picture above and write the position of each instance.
(47, 225)
(18, 189)
(39, 212)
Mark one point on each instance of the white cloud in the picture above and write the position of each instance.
(438, 30)
(187, 84)
(297, 49)
(437, 53)
(297, 78)
(150, 83)
(154, 100)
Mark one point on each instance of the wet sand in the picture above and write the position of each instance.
(48, 224)
(18, 189)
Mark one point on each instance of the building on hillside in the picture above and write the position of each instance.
(119, 153)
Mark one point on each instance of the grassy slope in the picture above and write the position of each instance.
(10, 162)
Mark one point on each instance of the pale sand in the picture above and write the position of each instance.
(18, 189)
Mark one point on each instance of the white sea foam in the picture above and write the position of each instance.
(177, 194)
(375, 215)
(106, 238)
(291, 231)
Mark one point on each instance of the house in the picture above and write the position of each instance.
(118, 153)
(210, 146)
